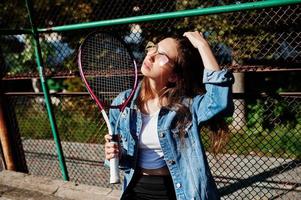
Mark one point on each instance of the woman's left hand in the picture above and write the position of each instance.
(198, 41)
(196, 38)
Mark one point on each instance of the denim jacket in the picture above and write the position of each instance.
(186, 161)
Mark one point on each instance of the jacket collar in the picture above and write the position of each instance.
(186, 101)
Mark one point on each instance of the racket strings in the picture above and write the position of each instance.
(108, 67)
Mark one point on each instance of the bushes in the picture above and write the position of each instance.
(273, 128)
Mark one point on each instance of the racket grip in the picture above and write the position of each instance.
(114, 171)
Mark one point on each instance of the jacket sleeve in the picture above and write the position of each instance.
(217, 99)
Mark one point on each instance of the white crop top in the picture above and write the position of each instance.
(150, 152)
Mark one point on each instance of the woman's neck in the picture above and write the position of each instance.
(151, 106)
(156, 100)
(157, 87)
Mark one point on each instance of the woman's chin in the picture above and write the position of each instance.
(144, 70)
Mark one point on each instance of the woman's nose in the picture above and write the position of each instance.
(151, 57)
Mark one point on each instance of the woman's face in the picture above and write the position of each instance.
(159, 60)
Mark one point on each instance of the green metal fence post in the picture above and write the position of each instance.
(51, 117)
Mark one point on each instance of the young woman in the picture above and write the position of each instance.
(160, 148)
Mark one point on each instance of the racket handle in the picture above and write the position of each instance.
(114, 171)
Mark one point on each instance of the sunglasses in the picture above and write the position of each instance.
(153, 49)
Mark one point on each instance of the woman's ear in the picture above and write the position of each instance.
(172, 78)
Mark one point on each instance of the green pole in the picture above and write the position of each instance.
(51, 117)
(176, 14)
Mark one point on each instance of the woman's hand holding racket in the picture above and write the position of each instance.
(107, 68)
(112, 150)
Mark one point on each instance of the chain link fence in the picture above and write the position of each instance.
(262, 157)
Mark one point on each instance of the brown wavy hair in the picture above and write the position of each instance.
(189, 70)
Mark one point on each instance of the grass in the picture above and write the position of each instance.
(281, 141)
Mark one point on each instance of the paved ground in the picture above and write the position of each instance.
(238, 177)
(13, 193)
(19, 186)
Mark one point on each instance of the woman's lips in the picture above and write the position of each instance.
(147, 64)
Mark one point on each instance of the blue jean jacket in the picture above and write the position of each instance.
(186, 161)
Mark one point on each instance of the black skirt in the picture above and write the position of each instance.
(147, 187)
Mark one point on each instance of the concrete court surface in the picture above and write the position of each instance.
(20, 186)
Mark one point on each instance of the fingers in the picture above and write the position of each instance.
(112, 138)
(108, 138)
(193, 34)
(196, 38)
(111, 149)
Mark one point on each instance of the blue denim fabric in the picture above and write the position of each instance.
(186, 159)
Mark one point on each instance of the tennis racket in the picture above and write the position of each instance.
(107, 68)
